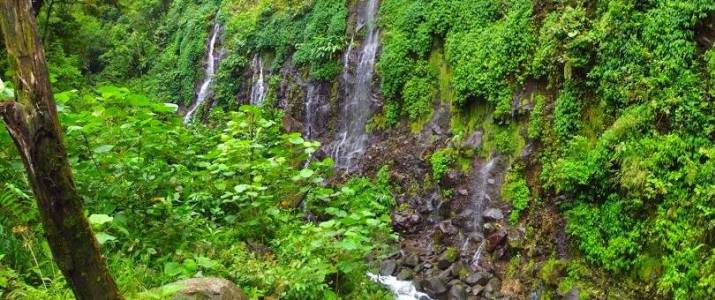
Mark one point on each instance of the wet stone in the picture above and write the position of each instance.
(411, 260)
(405, 274)
(476, 290)
(479, 278)
(495, 239)
(446, 275)
(387, 267)
(493, 285)
(447, 228)
(457, 292)
(435, 286)
(493, 214)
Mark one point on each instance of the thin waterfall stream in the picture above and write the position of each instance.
(351, 140)
(258, 87)
(212, 59)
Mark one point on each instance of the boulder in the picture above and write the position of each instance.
(464, 219)
(493, 285)
(476, 290)
(460, 270)
(411, 260)
(207, 289)
(405, 274)
(447, 228)
(387, 267)
(495, 239)
(434, 285)
(493, 214)
(457, 292)
(479, 278)
(447, 258)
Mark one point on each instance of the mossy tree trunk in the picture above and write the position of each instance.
(34, 126)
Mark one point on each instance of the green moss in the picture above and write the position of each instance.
(552, 271)
(451, 254)
(503, 139)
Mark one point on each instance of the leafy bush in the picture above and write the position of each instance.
(441, 161)
(516, 191)
(170, 202)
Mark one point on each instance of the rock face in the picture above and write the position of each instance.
(493, 214)
(208, 289)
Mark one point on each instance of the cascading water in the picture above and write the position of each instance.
(478, 254)
(486, 184)
(481, 191)
(317, 110)
(212, 59)
(258, 87)
(403, 290)
(351, 139)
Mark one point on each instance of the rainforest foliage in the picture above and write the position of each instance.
(622, 120)
(169, 202)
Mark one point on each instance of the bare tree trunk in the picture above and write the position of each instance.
(34, 126)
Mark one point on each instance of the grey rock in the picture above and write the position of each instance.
(479, 278)
(447, 276)
(464, 218)
(207, 289)
(447, 228)
(434, 285)
(463, 192)
(476, 290)
(446, 259)
(494, 285)
(457, 292)
(411, 260)
(387, 267)
(493, 214)
(476, 236)
(405, 274)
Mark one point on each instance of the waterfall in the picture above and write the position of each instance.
(258, 87)
(481, 195)
(403, 290)
(212, 58)
(314, 110)
(351, 140)
(478, 254)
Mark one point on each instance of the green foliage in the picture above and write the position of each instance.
(536, 119)
(564, 43)
(487, 49)
(516, 191)
(418, 92)
(170, 202)
(567, 112)
(441, 161)
(486, 58)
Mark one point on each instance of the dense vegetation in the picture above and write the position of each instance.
(168, 202)
(626, 125)
(623, 123)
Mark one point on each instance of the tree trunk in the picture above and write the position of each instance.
(34, 126)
